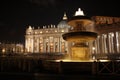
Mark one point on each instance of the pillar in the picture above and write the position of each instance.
(58, 42)
(54, 44)
(115, 43)
(44, 44)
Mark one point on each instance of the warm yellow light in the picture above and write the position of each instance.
(41, 47)
(3, 50)
(80, 53)
(104, 60)
(51, 44)
(22, 50)
(35, 32)
(62, 31)
(93, 48)
(13, 49)
(69, 60)
(93, 57)
(40, 31)
(117, 44)
(55, 30)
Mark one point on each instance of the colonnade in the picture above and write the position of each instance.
(108, 43)
(46, 44)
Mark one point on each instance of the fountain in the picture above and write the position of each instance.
(82, 31)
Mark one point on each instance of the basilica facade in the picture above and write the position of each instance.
(47, 39)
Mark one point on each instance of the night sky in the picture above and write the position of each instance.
(16, 15)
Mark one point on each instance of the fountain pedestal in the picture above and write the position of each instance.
(80, 51)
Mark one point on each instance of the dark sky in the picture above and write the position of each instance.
(16, 15)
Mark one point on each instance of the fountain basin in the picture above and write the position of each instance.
(84, 20)
(80, 36)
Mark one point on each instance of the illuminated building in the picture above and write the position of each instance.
(49, 38)
(6, 48)
(107, 43)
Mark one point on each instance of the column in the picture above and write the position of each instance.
(37, 44)
(107, 44)
(58, 42)
(118, 42)
(48, 44)
(41, 44)
(91, 47)
(109, 40)
(26, 45)
(44, 44)
(100, 42)
(54, 38)
(112, 41)
(115, 42)
(32, 44)
(95, 46)
(98, 46)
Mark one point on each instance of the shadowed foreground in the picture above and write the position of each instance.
(28, 68)
(48, 76)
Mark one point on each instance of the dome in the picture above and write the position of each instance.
(63, 23)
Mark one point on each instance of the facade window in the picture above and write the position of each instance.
(35, 32)
(29, 32)
(51, 38)
(47, 47)
(35, 40)
(41, 47)
(35, 48)
(55, 30)
(29, 50)
(62, 30)
(51, 47)
(47, 31)
(40, 32)
(56, 47)
(40, 40)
